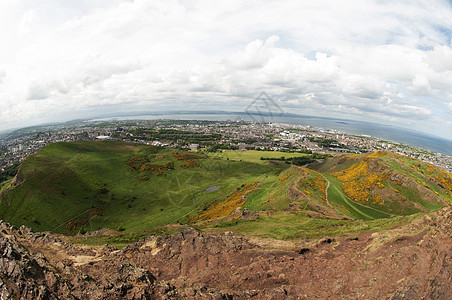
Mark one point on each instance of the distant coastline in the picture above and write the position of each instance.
(390, 133)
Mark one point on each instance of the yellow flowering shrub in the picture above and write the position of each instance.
(316, 182)
(226, 207)
(359, 179)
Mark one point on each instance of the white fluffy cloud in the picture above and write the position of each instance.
(388, 62)
(2, 75)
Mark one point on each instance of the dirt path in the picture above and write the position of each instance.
(360, 211)
(326, 192)
(326, 195)
(5, 185)
(345, 199)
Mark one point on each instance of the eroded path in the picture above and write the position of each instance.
(337, 213)
(328, 183)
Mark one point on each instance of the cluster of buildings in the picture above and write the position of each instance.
(16, 146)
(235, 134)
(359, 144)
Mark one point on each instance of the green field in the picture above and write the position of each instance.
(253, 155)
(139, 190)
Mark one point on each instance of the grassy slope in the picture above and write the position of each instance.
(280, 225)
(343, 203)
(417, 193)
(272, 193)
(3, 185)
(84, 176)
(292, 225)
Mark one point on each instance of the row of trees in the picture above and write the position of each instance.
(215, 147)
(305, 151)
(299, 161)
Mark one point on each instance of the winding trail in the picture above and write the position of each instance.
(326, 194)
(326, 191)
(349, 202)
(353, 203)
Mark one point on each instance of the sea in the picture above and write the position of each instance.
(385, 132)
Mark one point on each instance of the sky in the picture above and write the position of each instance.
(387, 62)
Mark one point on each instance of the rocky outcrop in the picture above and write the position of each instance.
(412, 261)
(23, 275)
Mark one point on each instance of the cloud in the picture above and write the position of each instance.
(440, 58)
(389, 62)
(38, 92)
(94, 75)
(97, 72)
(255, 54)
(2, 76)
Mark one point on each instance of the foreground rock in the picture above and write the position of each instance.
(412, 261)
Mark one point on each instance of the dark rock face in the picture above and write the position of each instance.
(25, 276)
(413, 261)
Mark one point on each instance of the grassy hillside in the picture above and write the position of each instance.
(90, 185)
(85, 186)
(383, 184)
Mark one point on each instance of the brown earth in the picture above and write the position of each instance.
(411, 261)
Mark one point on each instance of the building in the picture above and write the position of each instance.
(103, 137)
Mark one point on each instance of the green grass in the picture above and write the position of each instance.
(253, 155)
(340, 201)
(291, 225)
(397, 199)
(68, 181)
(3, 185)
(278, 225)
(316, 193)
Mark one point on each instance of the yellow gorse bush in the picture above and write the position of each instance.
(358, 180)
(226, 207)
